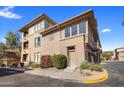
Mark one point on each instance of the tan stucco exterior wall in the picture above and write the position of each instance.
(78, 43)
(32, 49)
(59, 45)
(56, 43)
(50, 47)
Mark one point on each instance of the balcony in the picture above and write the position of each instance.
(26, 45)
(25, 34)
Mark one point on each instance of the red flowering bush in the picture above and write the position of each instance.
(46, 61)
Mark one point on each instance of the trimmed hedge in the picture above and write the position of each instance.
(46, 61)
(59, 61)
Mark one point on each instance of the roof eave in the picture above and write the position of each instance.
(84, 14)
(38, 18)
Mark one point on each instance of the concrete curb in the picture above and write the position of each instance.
(97, 80)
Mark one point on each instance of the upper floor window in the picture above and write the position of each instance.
(39, 26)
(67, 32)
(37, 41)
(31, 30)
(47, 24)
(82, 27)
(74, 30)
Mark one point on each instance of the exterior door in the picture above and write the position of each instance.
(72, 59)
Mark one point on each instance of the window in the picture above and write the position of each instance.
(37, 57)
(74, 30)
(67, 32)
(41, 24)
(47, 24)
(38, 26)
(82, 27)
(37, 41)
(31, 30)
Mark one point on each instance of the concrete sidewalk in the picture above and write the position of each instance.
(61, 74)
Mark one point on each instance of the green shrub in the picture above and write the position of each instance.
(89, 66)
(59, 61)
(96, 67)
(85, 65)
(33, 64)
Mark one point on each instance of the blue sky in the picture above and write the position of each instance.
(109, 20)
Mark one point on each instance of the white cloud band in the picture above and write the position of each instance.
(106, 30)
(7, 13)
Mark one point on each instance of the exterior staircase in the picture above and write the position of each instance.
(70, 68)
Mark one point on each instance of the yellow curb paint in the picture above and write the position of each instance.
(98, 80)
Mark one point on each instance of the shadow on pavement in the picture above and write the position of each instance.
(10, 71)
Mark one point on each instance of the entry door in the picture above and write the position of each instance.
(72, 59)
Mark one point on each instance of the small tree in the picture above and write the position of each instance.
(13, 40)
(59, 61)
(2, 48)
(107, 55)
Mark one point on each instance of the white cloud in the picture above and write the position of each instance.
(7, 13)
(2, 40)
(106, 30)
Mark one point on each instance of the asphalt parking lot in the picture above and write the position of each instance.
(17, 78)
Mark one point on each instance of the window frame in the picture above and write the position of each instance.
(76, 29)
(69, 32)
(37, 56)
(37, 43)
(84, 23)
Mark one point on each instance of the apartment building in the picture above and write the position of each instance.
(77, 38)
(119, 54)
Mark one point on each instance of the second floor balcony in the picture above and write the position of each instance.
(26, 45)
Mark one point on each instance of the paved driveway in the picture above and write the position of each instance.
(116, 75)
(20, 79)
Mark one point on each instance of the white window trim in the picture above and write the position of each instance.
(78, 29)
(37, 42)
(69, 31)
(36, 56)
